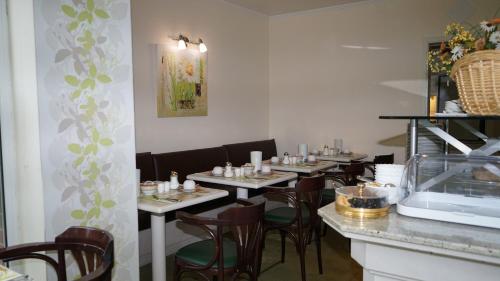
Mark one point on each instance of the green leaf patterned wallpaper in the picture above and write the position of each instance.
(86, 120)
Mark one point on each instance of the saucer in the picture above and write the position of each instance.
(216, 175)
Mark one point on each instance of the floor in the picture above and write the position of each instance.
(337, 263)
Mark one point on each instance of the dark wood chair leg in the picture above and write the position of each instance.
(283, 243)
(318, 248)
(176, 272)
(301, 247)
(325, 228)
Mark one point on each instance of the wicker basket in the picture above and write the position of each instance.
(478, 81)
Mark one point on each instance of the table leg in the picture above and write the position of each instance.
(158, 240)
(413, 137)
(242, 193)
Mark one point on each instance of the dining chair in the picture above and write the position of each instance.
(237, 255)
(91, 248)
(379, 159)
(298, 221)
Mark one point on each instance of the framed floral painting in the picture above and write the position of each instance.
(182, 81)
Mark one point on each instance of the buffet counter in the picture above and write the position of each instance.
(397, 247)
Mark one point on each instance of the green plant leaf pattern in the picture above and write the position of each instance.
(89, 115)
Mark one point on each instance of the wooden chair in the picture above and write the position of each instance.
(221, 255)
(379, 159)
(91, 248)
(299, 221)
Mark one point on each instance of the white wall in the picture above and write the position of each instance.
(237, 41)
(325, 83)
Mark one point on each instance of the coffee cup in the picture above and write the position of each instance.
(217, 170)
(266, 168)
(237, 172)
(311, 158)
(275, 159)
(189, 184)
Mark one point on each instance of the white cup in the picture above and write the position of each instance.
(266, 168)
(275, 159)
(218, 170)
(311, 158)
(303, 150)
(167, 185)
(237, 172)
(189, 184)
(256, 159)
(161, 187)
(293, 160)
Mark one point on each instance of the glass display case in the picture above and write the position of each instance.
(455, 188)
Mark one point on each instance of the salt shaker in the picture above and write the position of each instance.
(286, 159)
(174, 180)
(228, 172)
(325, 150)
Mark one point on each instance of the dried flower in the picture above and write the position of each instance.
(462, 42)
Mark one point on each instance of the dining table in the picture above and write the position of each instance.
(159, 204)
(343, 157)
(309, 168)
(243, 183)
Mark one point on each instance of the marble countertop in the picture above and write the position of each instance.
(395, 228)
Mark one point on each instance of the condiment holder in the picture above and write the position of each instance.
(174, 180)
(149, 187)
(228, 171)
(286, 159)
(326, 151)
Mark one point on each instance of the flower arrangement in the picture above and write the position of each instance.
(461, 41)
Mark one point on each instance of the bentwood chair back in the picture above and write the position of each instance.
(219, 255)
(91, 248)
(299, 221)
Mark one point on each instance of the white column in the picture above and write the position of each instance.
(158, 247)
(242, 193)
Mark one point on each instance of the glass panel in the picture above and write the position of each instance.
(4, 76)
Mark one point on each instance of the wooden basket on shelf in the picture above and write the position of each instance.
(478, 81)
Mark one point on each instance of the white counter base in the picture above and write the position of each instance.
(384, 263)
(397, 247)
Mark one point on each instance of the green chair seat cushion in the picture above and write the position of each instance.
(200, 253)
(328, 195)
(285, 215)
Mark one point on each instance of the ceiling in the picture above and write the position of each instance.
(276, 7)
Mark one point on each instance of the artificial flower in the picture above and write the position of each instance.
(458, 52)
(487, 26)
(479, 44)
(495, 37)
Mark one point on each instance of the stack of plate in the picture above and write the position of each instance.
(389, 173)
